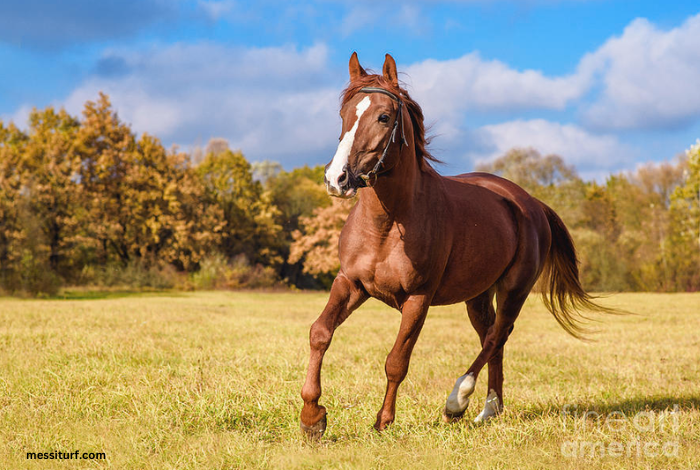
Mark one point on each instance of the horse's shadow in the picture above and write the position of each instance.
(595, 409)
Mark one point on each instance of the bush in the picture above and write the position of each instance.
(32, 276)
(135, 275)
(216, 272)
(37, 278)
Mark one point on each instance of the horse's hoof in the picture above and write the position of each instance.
(458, 401)
(492, 408)
(451, 417)
(381, 426)
(315, 431)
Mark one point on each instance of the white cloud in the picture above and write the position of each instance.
(647, 79)
(214, 9)
(278, 103)
(585, 150)
(450, 88)
(650, 77)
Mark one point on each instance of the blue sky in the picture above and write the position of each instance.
(605, 84)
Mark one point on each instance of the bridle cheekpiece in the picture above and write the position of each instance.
(375, 172)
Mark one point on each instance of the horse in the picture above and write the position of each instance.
(416, 239)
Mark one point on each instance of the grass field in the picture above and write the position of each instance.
(212, 380)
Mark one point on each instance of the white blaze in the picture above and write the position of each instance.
(340, 159)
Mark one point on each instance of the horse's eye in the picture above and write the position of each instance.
(384, 118)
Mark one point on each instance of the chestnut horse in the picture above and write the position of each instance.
(416, 239)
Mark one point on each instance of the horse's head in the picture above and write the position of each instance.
(373, 130)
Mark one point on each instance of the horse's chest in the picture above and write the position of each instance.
(387, 271)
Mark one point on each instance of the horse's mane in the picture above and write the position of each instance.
(414, 111)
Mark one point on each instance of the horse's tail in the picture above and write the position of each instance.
(562, 292)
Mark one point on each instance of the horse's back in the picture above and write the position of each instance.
(503, 187)
(528, 210)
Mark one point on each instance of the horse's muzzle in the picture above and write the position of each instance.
(343, 192)
(347, 185)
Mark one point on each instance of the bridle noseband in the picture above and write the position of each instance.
(375, 172)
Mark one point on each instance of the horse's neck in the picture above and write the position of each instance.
(395, 194)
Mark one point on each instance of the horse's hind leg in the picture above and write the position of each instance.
(495, 336)
(494, 397)
(482, 316)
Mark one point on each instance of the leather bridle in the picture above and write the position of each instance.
(375, 172)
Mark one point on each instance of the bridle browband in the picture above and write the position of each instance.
(375, 172)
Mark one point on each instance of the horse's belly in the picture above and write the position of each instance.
(475, 265)
(452, 293)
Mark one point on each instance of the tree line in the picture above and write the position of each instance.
(86, 202)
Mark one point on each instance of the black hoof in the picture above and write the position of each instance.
(315, 431)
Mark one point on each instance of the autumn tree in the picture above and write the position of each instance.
(105, 146)
(596, 236)
(297, 194)
(143, 203)
(529, 169)
(685, 226)
(50, 169)
(316, 242)
(12, 144)
(171, 220)
(250, 218)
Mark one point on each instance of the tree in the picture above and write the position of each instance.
(50, 171)
(144, 204)
(297, 194)
(250, 217)
(685, 225)
(316, 243)
(529, 169)
(105, 146)
(171, 220)
(12, 144)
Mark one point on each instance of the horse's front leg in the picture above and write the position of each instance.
(413, 316)
(344, 298)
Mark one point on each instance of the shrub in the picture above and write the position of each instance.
(216, 272)
(135, 275)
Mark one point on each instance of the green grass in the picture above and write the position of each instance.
(212, 380)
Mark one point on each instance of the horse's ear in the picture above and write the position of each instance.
(389, 70)
(356, 70)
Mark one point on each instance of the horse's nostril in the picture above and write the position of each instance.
(343, 178)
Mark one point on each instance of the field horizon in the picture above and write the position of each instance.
(212, 380)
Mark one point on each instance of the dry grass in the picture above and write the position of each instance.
(212, 380)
